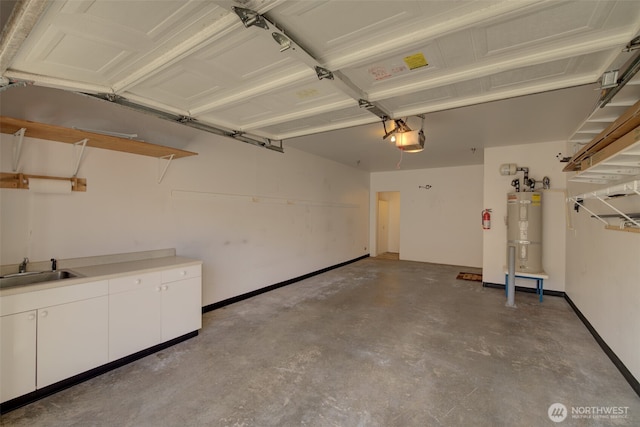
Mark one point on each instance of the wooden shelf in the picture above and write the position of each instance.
(604, 126)
(71, 136)
(618, 161)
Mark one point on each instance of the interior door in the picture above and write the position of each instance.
(383, 227)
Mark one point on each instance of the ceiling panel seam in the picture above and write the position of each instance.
(416, 38)
(497, 95)
(207, 36)
(132, 97)
(241, 95)
(57, 83)
(299, 114)
(326, 128)
(475, 71)
(203, 38)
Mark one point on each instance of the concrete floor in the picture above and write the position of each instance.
(375, 343)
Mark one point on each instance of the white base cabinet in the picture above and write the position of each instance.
(17, 354)
(149, 309)
(134, 314)
(181, 301)
(181, 308)
(53, 334)
(72, 338)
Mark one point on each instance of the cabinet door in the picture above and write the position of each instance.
(72, 338)
(181, 307)
(182, 273)
(17, 355)
(134, 320)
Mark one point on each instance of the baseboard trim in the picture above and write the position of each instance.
(251, 294)
(633, 382)
(26, 399)
(524, 289)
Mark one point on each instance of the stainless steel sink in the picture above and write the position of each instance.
(29, 278)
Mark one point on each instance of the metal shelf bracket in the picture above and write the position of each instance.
(78, 157)
(595, 215)
(17, 148)
(619, 212)
(168, 159)
(627, 188)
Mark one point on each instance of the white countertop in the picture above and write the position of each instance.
(93, 273)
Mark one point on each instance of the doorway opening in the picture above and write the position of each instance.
(388, 225)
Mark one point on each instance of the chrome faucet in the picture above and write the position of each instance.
(54, 264)
(23, 265)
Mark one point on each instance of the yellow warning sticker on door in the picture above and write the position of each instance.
(415, 61)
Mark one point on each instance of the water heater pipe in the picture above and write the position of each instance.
(511, 281)
(512, 169)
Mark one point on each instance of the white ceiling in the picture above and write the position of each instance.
(195, 60)
(452, 135)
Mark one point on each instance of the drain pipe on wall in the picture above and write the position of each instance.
(511, 281)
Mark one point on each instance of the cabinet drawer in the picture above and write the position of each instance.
(181, 273)
(55, 296)
(135, 281)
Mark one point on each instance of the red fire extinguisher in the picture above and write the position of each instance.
(486, 219)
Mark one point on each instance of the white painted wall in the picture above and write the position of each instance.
(440, 225)
(393, 197)
(255, 217)
(541, 160)
(603, 276)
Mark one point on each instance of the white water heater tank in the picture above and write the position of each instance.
(524, 230)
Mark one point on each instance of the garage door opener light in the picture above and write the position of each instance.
(406, 139)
